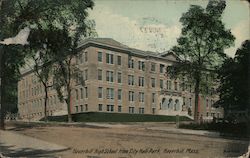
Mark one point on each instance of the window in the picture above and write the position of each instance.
(169, 84)
(110, 93)
(161, 68)
(76, 108)
(109, 58)
(54, 101)
(153, 82)
(110, 108)
(141, 81)
(184, 101)
(141, 65)
(119, 77)
(99, 56)
(161, 84)
(141, 110)
(77, 97)
(86, 92)
(153, 66)
(175, 86)
(99, 74)
(86, 74)
(131, 110)
(86, 107)
(207, 114)
(119, 60)
(131, 63)
(183, 86)
(81, 93)
(51, 101)
(119, 94)
(110, 76)
(78, 78)
(190, 102)
(207, 103)
(190, 88)
(131, 80)
(131, 96)
(100, 107)
(80, 58)
(153, 97)
(81, 108)
(86, 56)
(141, 97)
(100, 92)
(119, 108)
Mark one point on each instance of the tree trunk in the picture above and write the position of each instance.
(45, 104)
(196, 104)
(2, 112)
(69, 106)
(2, 125)
(3, 106)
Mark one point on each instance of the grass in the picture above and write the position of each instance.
(225, 129)
(116, 117)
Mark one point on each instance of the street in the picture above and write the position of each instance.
(103, 140)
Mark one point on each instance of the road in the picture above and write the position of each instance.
(139, 140)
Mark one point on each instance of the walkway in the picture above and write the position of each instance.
(18, 145)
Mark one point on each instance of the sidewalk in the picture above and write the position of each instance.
(186, 131)
(17, 145)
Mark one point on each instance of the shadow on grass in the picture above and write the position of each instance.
(10, 151)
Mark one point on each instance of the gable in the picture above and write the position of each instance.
(170, 56)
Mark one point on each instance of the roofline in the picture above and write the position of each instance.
(128, 50)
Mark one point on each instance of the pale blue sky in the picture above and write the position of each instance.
(154, 25)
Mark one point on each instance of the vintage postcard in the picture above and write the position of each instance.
(124, 78)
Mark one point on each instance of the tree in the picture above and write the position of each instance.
(19, 14)
(13, 58)
(41, 57)
(201, 45)
(234, 77)
(66, 73)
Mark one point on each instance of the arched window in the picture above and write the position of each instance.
(170, 103)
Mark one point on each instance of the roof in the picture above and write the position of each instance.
(115, 44)
(106, 41)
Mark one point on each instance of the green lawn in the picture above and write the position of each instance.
(116, 117)
(225, 129)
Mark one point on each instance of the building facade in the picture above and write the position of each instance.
(118, 79)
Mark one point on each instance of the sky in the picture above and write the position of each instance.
(154, 25)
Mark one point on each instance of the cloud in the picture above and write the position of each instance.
(133, 32)
(241, 33)
(20, 38)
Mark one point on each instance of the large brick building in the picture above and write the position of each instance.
(117, 79)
